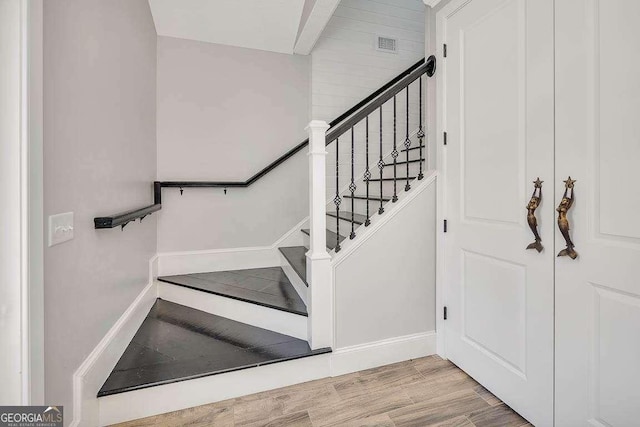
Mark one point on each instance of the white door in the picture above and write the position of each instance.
(496, 89)
(598, 144)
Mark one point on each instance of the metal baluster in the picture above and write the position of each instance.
(352, 188)
(367, 172)
(380, 164)
(407, 142)
(337, 200)
(420, 130)
(394, 154)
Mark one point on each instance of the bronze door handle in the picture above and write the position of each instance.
(536, 198)
(563, 220)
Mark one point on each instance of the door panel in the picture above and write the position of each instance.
(497, 93)
(598, 144)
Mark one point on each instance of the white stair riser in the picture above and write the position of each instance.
(295, 280)
(279, 321)
(156, 400)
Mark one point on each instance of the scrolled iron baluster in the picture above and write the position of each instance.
(380, 164)
(407, 142)
(367, 172)
(394, 154)
(352, 188)
(337, 200)
(420, 130)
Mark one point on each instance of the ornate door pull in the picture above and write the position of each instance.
(536, 197)
(563, 221)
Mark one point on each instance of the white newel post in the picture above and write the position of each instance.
(320, 296)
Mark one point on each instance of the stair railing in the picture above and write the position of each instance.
(122, 219)
(318, 259)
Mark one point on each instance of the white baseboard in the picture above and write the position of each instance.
(171, 263)
(279, 321)
(91, 375)
(186, 394)
(215, 388)
(371, 355)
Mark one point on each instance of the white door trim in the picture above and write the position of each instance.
(33, 203)
(440, 127)
(23, 249)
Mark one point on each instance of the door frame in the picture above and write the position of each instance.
(26, 210)
(438, 122)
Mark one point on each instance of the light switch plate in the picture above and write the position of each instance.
(60, 228)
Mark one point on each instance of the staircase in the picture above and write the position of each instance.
(221, 334)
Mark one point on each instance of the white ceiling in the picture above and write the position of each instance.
(258, 24)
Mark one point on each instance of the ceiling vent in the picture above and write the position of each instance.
(387, 44)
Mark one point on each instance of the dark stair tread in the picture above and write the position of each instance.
(345, 215)
(404, 162)
(178, 343)
(331, 238)
(375, 198)
(268, 287)
(297, 258)
(399, 178)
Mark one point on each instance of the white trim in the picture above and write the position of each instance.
(318, 267)
(431, 3)
(384, 352)
(24, 202)
(20, 249)
(91, 375)
(441, 214)
(33, 200)
(298, 284)
(187, 394)
(204, 261)
(172, 263)
(378, 221)
(316, 22)
(283, 322)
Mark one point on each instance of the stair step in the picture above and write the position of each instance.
(268, 287)
(345, 215)
(374, 198)
(404, 162)
(399, 178)
(297, 258)
(331, 238)
(178, 343)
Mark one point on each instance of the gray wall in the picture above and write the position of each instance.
(99, 158)
(223, 114)
(382, 293)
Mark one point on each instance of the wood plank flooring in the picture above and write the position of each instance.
(417, 393)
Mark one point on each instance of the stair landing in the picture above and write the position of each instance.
(268, 287)
(177, 343)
